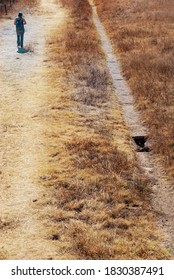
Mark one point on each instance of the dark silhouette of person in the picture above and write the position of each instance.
(20, 22)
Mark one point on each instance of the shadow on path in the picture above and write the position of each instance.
(23, 50)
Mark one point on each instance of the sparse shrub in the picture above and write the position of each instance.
(90, 97)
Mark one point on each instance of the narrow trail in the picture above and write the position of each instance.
(23, 99)
(163, 191)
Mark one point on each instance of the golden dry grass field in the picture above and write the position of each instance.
(142, 33)
(86, 197)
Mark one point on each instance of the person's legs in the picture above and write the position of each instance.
(18, 40)
(22, 40)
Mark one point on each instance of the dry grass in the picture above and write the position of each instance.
(16, 6)
(99, 207)
(142, 34)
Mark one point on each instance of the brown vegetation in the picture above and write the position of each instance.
(142, 35)
(16, 6)
(100, 207)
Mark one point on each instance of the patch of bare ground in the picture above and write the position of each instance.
(99, 208)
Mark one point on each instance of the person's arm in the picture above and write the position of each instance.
(15, 21)
(24, 21)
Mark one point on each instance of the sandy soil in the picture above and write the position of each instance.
(23, 99)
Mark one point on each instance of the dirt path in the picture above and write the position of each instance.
(163, 191)
(23, 97)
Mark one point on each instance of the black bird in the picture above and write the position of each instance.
(140, 142)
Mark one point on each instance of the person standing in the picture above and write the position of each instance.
(20, 22)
